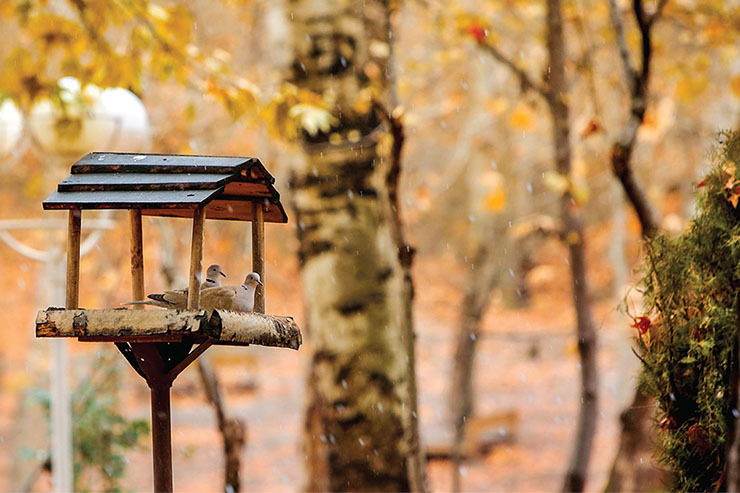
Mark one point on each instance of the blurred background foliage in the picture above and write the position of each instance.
(477, 169)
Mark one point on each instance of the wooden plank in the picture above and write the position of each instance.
(244, 329)
(169, 337)
(129, 200)
(109, 162)
(137, 257)
(258, 254)
(143, 181)
(121, 324)
(225, 210)
(196, 259)
(240, 189)
(244, 211)
(74, 228)
(258, 171)
(192, 356)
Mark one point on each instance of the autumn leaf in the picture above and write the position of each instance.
(496, 200)
(478, 32)
(523, 118)
(311, 118)
(556, 182)
(642, 324)
(592, 127)
(735, 86)
(701, 184)
(733, 198)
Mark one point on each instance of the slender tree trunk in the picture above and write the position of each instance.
(233, 430)
(480, 285)
(405, 252)
(633, 468)
(573, 233)
(356, 426)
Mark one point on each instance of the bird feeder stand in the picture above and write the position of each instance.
(158, 343)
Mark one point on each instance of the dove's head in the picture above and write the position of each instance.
(213, 272)
(252, 279)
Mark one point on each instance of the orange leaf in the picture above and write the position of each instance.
(733, 198)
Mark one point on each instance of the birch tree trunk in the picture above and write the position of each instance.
(357, 423)
(573, 233)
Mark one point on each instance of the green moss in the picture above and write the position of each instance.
(691, 289)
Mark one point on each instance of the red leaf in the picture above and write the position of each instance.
(701, 184)
(642, 324)
(592, 127)
(478, 32)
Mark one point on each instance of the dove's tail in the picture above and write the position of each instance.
(161, 303)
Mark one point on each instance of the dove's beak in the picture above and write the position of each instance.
(222, 273)
(260, 283)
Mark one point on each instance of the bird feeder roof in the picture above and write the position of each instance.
(170, 185)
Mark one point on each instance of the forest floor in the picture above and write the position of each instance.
(526, 375)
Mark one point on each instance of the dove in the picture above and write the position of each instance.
(174, 298)
(234, 298)
(212, 279)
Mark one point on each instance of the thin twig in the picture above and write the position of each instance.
(524, 79)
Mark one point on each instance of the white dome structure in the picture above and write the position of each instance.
(89, 119)
(11, 127)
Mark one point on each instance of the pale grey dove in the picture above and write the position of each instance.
(174, 297)
(233, 298)
(212, 277)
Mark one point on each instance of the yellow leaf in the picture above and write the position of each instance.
(496, 200)
(523, 118)
(312, 118)
(735, 86)
(689, 88)
(556, 182)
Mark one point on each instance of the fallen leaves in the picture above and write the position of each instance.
(732, 185)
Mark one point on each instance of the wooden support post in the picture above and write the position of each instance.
(150, 362)
(137, 257)
(161, 436)
(258, 254)
(196, 259)
(73, 259)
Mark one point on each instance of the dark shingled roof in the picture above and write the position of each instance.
(170, 185)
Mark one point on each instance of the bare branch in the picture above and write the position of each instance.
(658, 12)
(25, 250)
(616, 18)
(524, 79)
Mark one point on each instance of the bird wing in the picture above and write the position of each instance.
(177, 299)
(221, 298)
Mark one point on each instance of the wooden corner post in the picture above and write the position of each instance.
(137, 257)
(73, 259)
(196, 259)
(258, 254)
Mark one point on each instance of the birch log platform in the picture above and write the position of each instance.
(221, 327)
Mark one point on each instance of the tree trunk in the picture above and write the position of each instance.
(233, 430)
(482, 279)
(573, 233)
(356, 425)
(634, 468)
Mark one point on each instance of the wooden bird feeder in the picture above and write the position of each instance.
(158, 343)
